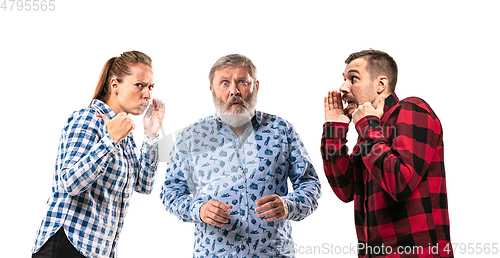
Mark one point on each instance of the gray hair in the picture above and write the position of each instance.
(233, 61)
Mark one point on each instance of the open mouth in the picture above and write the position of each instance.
(349, 101)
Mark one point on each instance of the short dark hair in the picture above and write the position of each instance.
(233, 61)
(378, 63)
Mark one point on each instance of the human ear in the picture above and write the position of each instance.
(382, 83)
(114, 85)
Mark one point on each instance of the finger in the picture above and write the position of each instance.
(150, 110)
(265, 207)
(331, 103)
(277, 209)
(104, 117)
(217, 214)
(221, 205)
(337, 100)
(211, 214)
(273, 218)
(273, 214)
(265, 199)
(160, 109)
(213, 222)
(128, 123)
(334, 100)
(269, 213)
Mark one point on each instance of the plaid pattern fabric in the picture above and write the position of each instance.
(395, 175)
(93, 182)
(209, 161)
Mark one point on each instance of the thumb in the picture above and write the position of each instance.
(381, 103)
(104, 117)
(150, 110)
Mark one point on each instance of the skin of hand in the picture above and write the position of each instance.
(215, 212)
(272, 207)
(334, 109)
(118, 127)
(153, 118)
(367, 109)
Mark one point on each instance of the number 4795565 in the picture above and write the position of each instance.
(28, 5)
(472, 248)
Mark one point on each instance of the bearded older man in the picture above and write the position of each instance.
(229, 172)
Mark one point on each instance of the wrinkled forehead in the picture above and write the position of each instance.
(233, 71)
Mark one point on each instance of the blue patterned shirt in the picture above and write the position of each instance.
(93, 181)
(209, 161)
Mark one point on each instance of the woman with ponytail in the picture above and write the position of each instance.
(98, 165)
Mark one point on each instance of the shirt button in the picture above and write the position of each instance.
(244, 242)
(242, 193)
(243, 219)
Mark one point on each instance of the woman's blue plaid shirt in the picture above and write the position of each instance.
(93, 181)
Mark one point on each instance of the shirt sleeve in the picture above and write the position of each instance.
(148, 161)
(337, 163)
(175, 192)
(86, 152)
(399, 165)
(303, 201)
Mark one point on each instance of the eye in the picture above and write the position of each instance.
(354, 79)
(225, 83)
(243, 82)
(151, 87)
(138, 84)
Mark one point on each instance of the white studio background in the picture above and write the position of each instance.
(447, 52)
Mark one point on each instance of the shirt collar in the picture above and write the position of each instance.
(256, 120)
(390, 101)
(103, 108)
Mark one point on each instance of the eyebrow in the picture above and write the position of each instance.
(351, 71)
(145, 82)
(238, 78)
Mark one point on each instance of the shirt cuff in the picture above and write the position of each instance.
(367, 123)
(287, 208)
(109, 144)
(150, 140)
(335, 130)
(195, 210)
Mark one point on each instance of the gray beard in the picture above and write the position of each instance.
(240, 115)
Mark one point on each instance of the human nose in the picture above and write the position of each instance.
(233, 89)
(345, 88)
(147, 93)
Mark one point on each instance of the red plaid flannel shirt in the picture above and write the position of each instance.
(395, 175)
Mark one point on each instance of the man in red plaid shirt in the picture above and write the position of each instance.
(395, 173)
